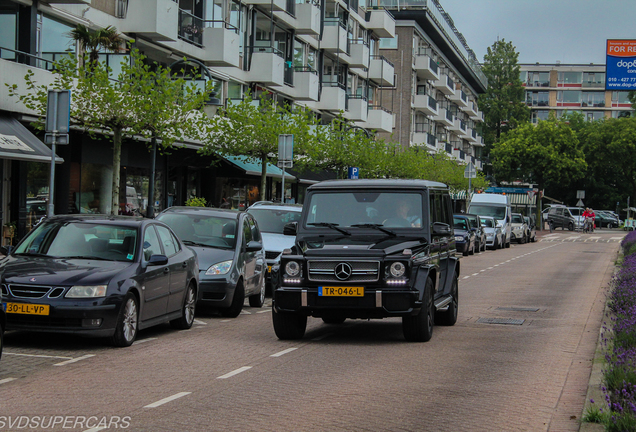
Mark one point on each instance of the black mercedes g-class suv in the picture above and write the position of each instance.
(370, 249)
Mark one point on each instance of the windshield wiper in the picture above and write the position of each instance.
(375, 226)
(34, 254)
(192, 243)
(331, 225)
(86, 257)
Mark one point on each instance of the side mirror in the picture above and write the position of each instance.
(290, 228)
(499, 225)
(254, 246)
(441, 228)
(157, 260)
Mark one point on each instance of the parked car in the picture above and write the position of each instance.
(362, 251)
(480, 234)
(100, 276)
(560, 217)
(577, 214)
(604, 219)
(494, 236)
(497, 206)
(271, 219)
(465, 237)
(230, 253)
(532, 229)
(519, 229)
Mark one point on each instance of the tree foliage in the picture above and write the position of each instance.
(143, 101)
(503, 102)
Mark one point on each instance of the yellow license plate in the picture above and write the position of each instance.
(269, 269)
(332, 291)
(27, 309)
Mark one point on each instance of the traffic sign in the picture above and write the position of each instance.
(580, 194)
(470, 171)
(580, 204)
(58, 115)
(354, 172)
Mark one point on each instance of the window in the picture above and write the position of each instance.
(538, 79)
(540, 115)
(621, 97)
(389, 43)
(247, 232)
(537, 98)
(256, 234)
(594, 78)
(569, 96)
(151, 243)
(593, 115)
(54, 41)
(593, 99)
(8, 33)
(170, 243)
(570, 77)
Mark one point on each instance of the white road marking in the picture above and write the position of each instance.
(264, 311)
(228, 320)
(137, 342)
(482, 270)
(168, 399)
(283, 352)
(474, 274)
(616, 238)
(319, 338)
(234, 372)
(243, 311)
(196, 321)
(38, 355)
(95, 429)
(466, 277)
(6, 380)
(496, 265)
(84, 357)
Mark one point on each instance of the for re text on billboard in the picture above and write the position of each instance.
(620, 65)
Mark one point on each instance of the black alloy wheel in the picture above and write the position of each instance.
(419, 328)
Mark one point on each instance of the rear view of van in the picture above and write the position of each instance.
(496, 206)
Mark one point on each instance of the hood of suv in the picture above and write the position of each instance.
(360, 246)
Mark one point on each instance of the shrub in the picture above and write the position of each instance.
(196, 202)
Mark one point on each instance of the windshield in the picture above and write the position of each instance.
(273, 221)
(202, 230)
(498, 212)
(346, 209)
(488, 223)
(516, 218)
(460, 223)
(576, 211)
(78, 239)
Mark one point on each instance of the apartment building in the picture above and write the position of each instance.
(321, 54)
(438, 79)
(561, 88)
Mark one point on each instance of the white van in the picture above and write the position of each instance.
(497, 206)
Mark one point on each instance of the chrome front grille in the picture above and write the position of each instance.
(361, 271)
(271, 255)
(28, 291)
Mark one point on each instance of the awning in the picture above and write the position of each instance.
(252, 167)
(18, 143)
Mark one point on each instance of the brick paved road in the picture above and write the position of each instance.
(528, 375)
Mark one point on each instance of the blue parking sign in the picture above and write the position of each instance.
(353, 172)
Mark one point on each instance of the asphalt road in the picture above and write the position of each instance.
(518, 359)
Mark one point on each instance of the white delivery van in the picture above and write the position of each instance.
(497, 206)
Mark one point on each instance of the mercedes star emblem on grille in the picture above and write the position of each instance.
(342, 271)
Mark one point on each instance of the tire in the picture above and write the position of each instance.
(257, 300)
(465, 253)
(522, 240)
(333, 320)
(472, 250)
(127, 322)
(449, 317)
(507, 244)
(571, 226)
(551, 225)
(289, 326)
(478, 248)
(497, 244)
(419, 328)
(485, 247)
(187, 311)
(237, 302)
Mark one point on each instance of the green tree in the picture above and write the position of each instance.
(545, 154)
(251, 128)
(91, 43)
(129, 106)
(503, 102)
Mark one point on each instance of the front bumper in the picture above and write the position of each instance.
(376, 303)
(216, 292)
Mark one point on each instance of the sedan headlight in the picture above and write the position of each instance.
(219, 268)
(397, 269)
(292, 268)
(89, 291)
(459, 238)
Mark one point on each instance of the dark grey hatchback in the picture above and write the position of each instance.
(230, 253)
(99, 276)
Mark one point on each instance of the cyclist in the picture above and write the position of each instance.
(588, 215)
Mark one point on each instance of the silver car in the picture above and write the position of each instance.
(494, 235)
(271, 218)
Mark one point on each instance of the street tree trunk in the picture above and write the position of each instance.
(114, 210)
(263, 176)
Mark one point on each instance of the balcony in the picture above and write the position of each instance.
(220, 44)
(306, 84)
(471, 135)
(357, 108)
(455, 126)
(269, 5)
(426, 68)
(156, 20)
(358, 56)
(460, 98)
(424, 138)
(381, 71)
(479, 116)
(334, 37)
(479, 140)
(267, 66)
(425, 103)
(445, 84)
(332, 98)
(470, 109)
(379, 119)
(444, 117)
(381, 22)
(305, 18)
(459, 154)
(13, 72)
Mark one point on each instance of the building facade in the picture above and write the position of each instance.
(561, 88)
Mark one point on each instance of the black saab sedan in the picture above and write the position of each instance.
(230, 251)
(99, 276)
(464, 235)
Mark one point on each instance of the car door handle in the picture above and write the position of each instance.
(184, 264)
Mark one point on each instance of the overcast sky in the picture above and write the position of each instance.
(545, 31)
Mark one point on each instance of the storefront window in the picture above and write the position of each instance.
(239, 193)
(8, 31)
(54, 40)
(133, 198)
(37, 191)
(95, 189)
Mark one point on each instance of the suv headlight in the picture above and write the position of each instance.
(397, 269)
(459, 238)
(219, 268)
(90, 291)
(292, 268)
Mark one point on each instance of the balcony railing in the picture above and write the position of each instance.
(380, 57)
(537, 83)
(421, 127)
(305, 68)
(450, 83)
(448, 147)
(190, 28)
(32, 60)
(380, 107)
(333, 21)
